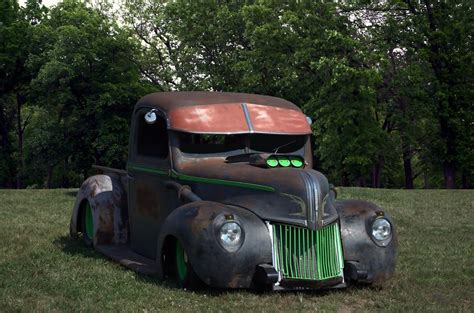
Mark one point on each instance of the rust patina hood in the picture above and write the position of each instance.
(286, 195)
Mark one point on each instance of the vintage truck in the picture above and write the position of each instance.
(220, 190)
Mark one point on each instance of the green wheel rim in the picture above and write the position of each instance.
(283, 161)
(89, 222)
(181, 265)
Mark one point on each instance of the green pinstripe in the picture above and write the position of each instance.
(183, 177)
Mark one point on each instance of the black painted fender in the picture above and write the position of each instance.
(365, 261)
(196, 226)
(107, 198)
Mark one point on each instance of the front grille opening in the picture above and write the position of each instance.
(306, 254)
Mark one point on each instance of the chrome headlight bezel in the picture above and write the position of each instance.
(226, 232)
(227, 220)
(378, 225)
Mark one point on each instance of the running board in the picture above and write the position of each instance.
(125, 256)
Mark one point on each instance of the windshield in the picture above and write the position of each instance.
(241, 143)
(276, 143)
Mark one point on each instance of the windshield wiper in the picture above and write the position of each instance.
(284, 145)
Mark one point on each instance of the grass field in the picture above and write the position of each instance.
(41, 269)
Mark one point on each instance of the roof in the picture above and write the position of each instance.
(228, 113)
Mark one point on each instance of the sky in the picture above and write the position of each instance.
(47, 3)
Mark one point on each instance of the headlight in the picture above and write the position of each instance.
(381, 231)
(230, 235)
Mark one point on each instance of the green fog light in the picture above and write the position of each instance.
(283, 161)
(296, 161)
(272, 161)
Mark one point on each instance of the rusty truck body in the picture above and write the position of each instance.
(220, 190)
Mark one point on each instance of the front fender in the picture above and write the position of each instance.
(365, 261)
(195, 225)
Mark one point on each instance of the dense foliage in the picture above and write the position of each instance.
(389, 85)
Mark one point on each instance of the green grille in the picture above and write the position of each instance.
(302, 253)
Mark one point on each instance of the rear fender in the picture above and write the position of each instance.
(107, 198)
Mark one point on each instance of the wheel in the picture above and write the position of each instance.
(186, 276)
(87, 225)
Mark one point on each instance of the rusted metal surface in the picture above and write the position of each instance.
(267, 119)
(223, 118)
(168, 101)
(229, 118)
(227, 113)
(106, 197)
(125, 256)
(290, 201)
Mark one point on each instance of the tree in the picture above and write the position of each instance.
(425, 54)
(446, 32)
(88, 83)
(17, 25)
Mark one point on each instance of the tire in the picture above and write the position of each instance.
(87, 225)
(185, 274)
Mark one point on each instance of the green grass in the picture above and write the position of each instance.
(41, 269)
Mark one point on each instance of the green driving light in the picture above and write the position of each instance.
(296, 161)
(284, 161)
(272, 161)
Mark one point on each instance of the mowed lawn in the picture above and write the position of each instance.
(41, 269)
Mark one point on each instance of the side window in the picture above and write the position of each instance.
(152, 139)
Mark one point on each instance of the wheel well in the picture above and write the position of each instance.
(80, 215)
(168, 256)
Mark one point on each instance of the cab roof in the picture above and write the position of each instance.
(227, 113)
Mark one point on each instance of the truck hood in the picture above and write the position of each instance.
(283, 195)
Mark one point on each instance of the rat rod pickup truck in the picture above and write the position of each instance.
(219, 190)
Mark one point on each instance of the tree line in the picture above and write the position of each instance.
(389, 84)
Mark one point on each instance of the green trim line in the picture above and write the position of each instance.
(149, 170)
(224, 182)
(197, 179)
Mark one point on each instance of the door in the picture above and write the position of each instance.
(149, 200)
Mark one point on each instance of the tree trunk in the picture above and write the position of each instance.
(6, 148)
(3, 128)
(408, 169)
(375, 176)
(449, 175)
(19, 102)
(465, 180)
(447, 130)
(49, 179)
(377, 173)
(64, 178)
(449, 166)
(426, 180)
(344, 180)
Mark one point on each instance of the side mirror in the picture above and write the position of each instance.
(150, 117)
